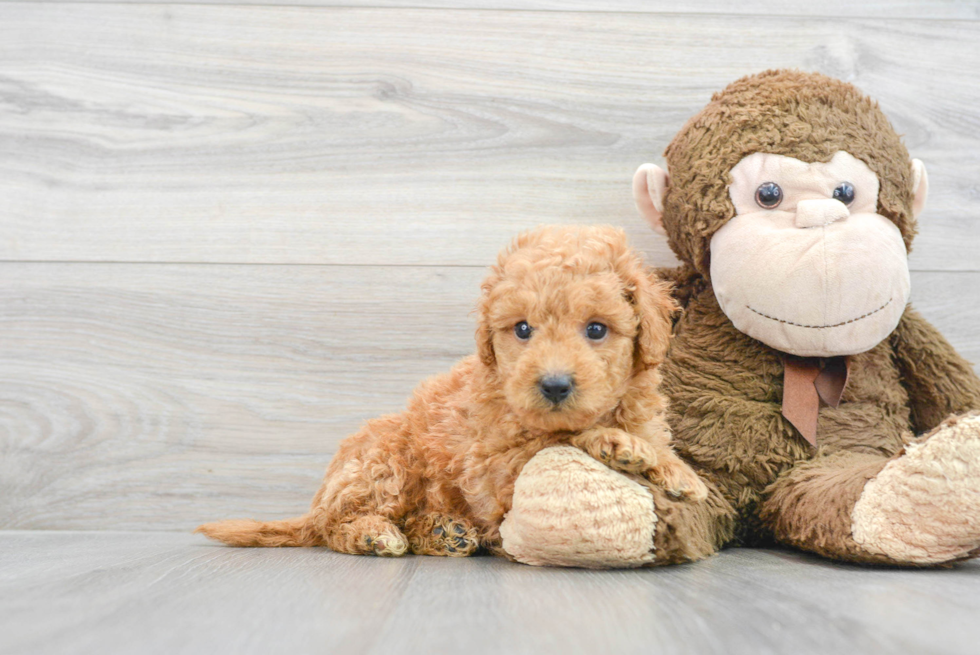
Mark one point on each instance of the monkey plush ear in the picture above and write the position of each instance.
(649, 186)
(920, 187)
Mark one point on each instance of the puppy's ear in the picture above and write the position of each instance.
(484, 343)
(484, 334)
(655, 308)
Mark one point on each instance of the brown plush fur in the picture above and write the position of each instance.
(438, 478)
(725, 388)
(686, 531)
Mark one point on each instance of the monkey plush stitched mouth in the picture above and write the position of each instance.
(821, 406)
(806, 265)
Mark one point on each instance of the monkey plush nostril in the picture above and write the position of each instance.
(556, 388)
(820, 212)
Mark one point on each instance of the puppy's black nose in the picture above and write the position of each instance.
(556, 388)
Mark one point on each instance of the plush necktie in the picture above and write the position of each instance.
(808, 381)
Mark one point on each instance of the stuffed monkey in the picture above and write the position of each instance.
(823, 412)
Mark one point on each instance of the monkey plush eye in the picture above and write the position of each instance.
(844, 192)
(768, 195)
(522, 331)
(595, 331)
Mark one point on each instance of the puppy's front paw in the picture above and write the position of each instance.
(678, 479)
(386, 544)
(617, 449)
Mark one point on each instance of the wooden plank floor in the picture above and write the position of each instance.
(118, 592)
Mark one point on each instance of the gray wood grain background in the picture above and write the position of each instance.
(230, 233)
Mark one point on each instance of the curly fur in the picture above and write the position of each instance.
(439, 477)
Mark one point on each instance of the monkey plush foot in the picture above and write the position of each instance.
(924, 507)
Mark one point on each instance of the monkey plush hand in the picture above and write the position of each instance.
(571, 510)
(824, 412)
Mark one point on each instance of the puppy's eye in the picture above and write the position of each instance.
(844, 192)
(595, 331)
(522, 331)
(768, 195)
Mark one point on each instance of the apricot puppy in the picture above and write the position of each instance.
(570, 332)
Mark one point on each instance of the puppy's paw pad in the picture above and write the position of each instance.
(390, 545)
(451, 537)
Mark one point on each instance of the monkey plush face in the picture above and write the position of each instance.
(807, 265)
(792, 193)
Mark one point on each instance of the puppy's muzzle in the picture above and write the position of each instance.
(556, 388)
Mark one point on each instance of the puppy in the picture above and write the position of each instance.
(570, 332)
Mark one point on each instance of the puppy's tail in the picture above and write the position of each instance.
(298, 531)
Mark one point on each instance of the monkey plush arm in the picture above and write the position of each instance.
(938, 380)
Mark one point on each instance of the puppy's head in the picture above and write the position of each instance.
(567, 317)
